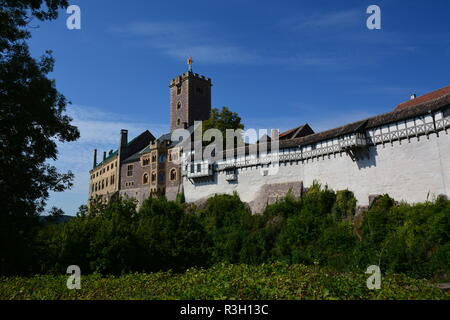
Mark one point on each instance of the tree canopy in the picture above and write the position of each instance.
(32, 120)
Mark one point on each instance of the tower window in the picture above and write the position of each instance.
(200, 91)
(173, 175)
(153, 176)
(178, 122)
(178, 105)
(145, 178)
(178, 90)
(130, 170)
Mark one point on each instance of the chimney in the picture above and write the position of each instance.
(275, 134)
(95, 159)
(123, 138)
(104, 156)
(413, 96)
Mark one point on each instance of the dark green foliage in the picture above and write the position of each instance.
(32, 119)
(169, 238)
(316, 229)
(222, 120)
(228, 222)
(224, 282)
(408, 238)
(345, 205)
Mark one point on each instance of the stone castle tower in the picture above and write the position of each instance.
(190, 100)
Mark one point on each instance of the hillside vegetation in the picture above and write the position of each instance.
(222, 282)
(318, 229)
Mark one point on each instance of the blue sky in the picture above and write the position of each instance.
(277, 64)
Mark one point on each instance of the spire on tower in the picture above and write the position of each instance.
(190, 62)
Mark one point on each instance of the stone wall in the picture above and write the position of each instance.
(411, 171)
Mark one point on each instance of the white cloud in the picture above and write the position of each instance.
(332, 19)
(180, 40)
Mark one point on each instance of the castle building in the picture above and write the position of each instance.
(404, 153)
(147, 166)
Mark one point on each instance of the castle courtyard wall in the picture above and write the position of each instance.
(411, 171)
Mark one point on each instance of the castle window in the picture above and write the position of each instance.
(153, 176)
(145, 162)
(178, 122)
(145, 178)
(153, 157)
(179, 105)
(173, 156)
(112, 165)
(130, 170)
(107, 180)
(173, 175)
(103, 184)
(192, 168)
(199, 167)
(93, 188)
(112, 179)
(178, 90)
(200, 91)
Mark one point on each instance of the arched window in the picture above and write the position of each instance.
(153, 176)
(173, 174)
(178, 122)
(179, 105)
(145, 178)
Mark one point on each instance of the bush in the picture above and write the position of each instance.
(224, 282)
(316, 229)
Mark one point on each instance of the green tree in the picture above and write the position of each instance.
(224, 120)
(32, 118)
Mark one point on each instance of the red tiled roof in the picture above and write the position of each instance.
(425, 98)
(298, 132)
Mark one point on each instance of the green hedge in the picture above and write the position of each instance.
(223, 282)
(317, 229)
